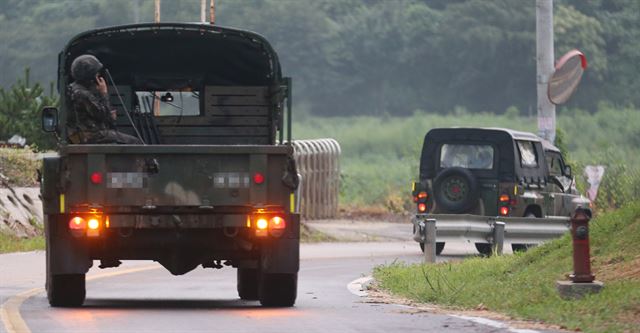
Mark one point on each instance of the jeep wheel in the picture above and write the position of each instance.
(66, 290)
(278, 290)
(455, 190)
(484, 249)
(439, 247)
(248, 284)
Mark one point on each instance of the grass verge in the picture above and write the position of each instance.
(10, 243)
(523, 285)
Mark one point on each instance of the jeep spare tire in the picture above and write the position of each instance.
(455, 190)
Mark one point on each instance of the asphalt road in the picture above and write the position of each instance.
(143, 297)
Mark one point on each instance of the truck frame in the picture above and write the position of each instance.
(214, 183)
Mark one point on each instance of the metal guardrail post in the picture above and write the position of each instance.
(430, 241)
(498, 237)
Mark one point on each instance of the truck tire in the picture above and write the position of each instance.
(66, 290)
(278, 290)
(248, 283)
(484, 249)
(455, 190)
(439, 247)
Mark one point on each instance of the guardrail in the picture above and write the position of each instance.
(318, 164)
(486, 229)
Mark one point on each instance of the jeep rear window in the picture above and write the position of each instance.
(466, 156)
(528, 157)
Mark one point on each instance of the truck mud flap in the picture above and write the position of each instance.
(65, 253)
(283, 255)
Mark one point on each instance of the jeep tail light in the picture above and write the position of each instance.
(504, 198)
(422, 195)
(422, 207)
(96, 178)
(504, 210)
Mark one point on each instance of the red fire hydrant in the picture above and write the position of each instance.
(582, 281)
(581, 257)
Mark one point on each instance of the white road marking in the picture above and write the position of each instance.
(493, 323)
(357, 288)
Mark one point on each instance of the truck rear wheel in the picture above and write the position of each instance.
(248, 283)
(66, 290)
(278, 290)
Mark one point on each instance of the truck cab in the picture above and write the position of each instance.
(213, 184)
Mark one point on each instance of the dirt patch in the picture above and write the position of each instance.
(378, 296)
(616, 269)
(372, 213)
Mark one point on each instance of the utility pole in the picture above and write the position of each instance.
(203, 10)
(545, 68)
(157, 13)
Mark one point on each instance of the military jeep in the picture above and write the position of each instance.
(212, 186)
(492, 172)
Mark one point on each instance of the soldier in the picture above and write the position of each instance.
(92, 119)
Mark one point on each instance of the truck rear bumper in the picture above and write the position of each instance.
(180, 247)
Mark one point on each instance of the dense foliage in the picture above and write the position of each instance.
(374, 57)
(20, 108)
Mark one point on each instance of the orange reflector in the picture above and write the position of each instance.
(422, 207)
(93, 224)
(422, 195)
(504, 211)
(504, 198)
(77, 223)
(262, 223)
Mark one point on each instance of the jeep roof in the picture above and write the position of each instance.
(501, 138)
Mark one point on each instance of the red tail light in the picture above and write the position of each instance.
(504, 211)
(504, 198)
(258, 178)
(422, 195)
(77, 223)
(96, 178)
(422, 207)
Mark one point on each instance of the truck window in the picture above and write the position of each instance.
(528, 156)
(170, 103)
(554, 164)
(466, 156)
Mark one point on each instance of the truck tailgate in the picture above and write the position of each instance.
(187, 175)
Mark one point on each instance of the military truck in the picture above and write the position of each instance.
(213, 184)
(491, 172)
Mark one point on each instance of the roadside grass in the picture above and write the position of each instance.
(10, 243)
(523, 285)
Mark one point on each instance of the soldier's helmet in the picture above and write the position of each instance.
(85, 67)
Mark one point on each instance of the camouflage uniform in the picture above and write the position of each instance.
(90, 120)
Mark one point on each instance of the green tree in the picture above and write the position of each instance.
(20, 108)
